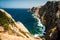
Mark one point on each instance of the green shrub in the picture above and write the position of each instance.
(4, 20)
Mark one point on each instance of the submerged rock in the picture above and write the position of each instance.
(11, 30)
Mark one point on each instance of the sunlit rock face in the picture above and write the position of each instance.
(40, 28)
(11, 30)
(35, 11)
(49, 15)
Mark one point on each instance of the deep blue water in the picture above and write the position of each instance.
(26, 18)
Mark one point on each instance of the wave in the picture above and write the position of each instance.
(40, 26)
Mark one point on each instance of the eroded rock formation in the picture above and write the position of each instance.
(49, 15)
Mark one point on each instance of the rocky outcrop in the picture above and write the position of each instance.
(49, 15)
(11, 30)
(35, 10)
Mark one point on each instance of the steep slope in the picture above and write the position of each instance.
(11, 30)
(49, 15)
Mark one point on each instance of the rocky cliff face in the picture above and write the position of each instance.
(49, 15)
(11, 30)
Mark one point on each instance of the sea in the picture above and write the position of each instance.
(31, 22)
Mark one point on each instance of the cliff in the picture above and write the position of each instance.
(49, 15)
(11, 30)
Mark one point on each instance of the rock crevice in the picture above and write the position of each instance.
(49, 15)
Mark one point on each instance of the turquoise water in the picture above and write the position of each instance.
(31, 22)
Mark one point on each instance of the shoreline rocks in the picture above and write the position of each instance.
(48, 16)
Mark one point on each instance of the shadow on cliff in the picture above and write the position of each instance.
(49, 15)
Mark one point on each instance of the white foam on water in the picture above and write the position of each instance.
(37, 35)
(42, 27)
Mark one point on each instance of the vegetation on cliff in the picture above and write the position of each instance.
(11, 30)
(4, 20)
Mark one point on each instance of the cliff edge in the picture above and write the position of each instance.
(11, 30)
(49, 15)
